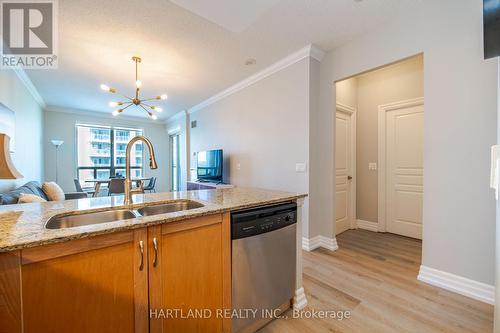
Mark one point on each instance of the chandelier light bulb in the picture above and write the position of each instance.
(136, 100)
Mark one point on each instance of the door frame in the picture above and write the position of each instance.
(174, 132)
(382, 154)
(351, 112)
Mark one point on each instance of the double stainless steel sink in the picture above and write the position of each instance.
(81, 219)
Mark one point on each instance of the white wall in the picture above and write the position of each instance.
(460, 126)
(29, 129)
(320, 205)
(497, 261)
(60, 125)
(347, 92)
(264, 129)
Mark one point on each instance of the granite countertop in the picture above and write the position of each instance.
(23, 225)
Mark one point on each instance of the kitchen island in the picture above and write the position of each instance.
(125, 275)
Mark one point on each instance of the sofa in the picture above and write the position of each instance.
(12, 197)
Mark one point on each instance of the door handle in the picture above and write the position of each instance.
(349, 177)
(155, 247)
(141, 249)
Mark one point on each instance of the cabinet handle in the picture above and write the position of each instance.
(155, 247)
(141, 248)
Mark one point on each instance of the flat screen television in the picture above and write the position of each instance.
(491, 17)
(209, 165)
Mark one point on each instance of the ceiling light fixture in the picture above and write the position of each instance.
(135, 100)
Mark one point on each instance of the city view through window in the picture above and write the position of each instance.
(101, 153)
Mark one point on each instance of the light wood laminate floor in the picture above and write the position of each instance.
(374, 276)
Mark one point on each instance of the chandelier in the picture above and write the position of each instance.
(151, 110)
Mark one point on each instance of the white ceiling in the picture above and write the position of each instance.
(191, 54)
(233, 15)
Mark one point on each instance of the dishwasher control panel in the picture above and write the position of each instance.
(256, 221)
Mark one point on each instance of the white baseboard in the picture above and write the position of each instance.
(477, 290)
(306, 246)
(319, 241)
(367, 225)
(299, 300)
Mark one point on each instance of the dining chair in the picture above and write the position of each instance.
(151, 185)
(79, 188)
(116, 186)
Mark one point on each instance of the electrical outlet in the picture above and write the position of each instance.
(372, 166)
(301, 167)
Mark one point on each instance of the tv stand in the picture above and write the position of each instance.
(206, 185)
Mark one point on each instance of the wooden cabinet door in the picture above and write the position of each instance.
(90, 285)
(192, 273)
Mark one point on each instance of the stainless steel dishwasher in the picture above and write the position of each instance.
(263, 263)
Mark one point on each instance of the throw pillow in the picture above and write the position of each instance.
(30, 198)
(53, 191)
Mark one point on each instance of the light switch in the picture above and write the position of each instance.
(238, 166)
(372, 166)
(300, 167)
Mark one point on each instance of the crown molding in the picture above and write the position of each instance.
(176, 116)
(310, 51)
(316, 53)
(26, 81)
(102, 115)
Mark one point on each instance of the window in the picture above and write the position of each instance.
(101, 152)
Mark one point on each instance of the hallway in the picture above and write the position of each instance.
(374, 277)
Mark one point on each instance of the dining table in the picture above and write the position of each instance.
(139, 181)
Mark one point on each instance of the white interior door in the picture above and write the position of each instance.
(405, 170)
(343, 167)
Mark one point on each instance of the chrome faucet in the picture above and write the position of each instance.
(127, 200)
